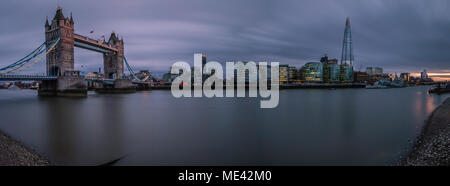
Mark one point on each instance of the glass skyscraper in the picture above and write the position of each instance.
(347, 50)
(347, 55)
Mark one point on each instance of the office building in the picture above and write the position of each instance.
(374, 71)
(284, 74)
(405, 76)
(292, 74)
(331, 70)
(312, 72)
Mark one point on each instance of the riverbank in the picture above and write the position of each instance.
(293, 86)
(14, 153)
(432, 147)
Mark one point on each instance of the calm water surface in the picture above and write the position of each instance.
(309, 127)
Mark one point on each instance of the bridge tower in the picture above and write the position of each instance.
(113, 61)
(61, 59)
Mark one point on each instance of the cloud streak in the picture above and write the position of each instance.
(402, 35)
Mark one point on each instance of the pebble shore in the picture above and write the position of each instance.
(432, 147)
(13, 153)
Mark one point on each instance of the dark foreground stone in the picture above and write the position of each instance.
(13, 153)
(432, 147)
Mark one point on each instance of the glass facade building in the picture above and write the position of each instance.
(405, 76)
(292, 74)
(284, 74)
(374, 70)
(346, 75)
(331, 73)
(312, 72)
(347, 50)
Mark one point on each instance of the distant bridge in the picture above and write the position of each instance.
(26, 78)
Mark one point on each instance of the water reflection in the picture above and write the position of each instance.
(112, 123)
(309, 127)
(76, 128)
(62, 130)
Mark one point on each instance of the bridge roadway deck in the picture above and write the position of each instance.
(91, 44)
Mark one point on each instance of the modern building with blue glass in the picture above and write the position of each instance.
(347, 57)
(331, 72)
(312, 72)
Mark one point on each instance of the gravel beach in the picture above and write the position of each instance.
(432, 147)
(13, 153)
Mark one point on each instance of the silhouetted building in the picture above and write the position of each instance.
(374, 71)
(292, 74)
(346, 73)
(324, 59)
(405, 76)
(424, 75)
(284, 74)
(361, 77)
(331, 70)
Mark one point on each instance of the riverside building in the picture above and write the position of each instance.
(331, 70)
(312, 72)
(284, 74)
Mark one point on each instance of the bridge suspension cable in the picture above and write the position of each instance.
(20, 61)
(29, 59)
(132, 72)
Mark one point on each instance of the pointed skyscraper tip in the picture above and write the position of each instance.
(347, 22)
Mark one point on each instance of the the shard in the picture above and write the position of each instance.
(347, 50)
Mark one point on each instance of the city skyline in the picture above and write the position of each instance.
(289, 38)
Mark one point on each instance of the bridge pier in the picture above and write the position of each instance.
(71, 85)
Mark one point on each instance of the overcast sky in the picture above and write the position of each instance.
(400, 35)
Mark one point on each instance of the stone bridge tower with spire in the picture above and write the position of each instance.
(113, 61)
(61, 59)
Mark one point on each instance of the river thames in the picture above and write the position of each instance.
(309, 127)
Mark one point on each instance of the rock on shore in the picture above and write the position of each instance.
(432, 147)
(13, 153)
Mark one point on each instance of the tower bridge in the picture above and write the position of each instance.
(61, 78)
(61, 60)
